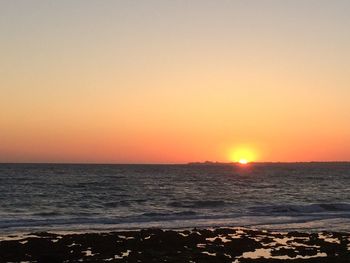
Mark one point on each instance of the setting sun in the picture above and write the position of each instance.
(243, 155)
(243, 161)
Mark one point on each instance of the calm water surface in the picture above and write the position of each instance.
(310, 196)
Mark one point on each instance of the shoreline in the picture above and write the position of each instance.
(305, 225)
(222, 244)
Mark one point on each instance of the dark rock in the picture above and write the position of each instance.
(156, 245)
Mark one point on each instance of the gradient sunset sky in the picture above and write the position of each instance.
(174, 81)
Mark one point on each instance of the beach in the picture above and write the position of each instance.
(175, 213)
(194, 245)
(175, 131)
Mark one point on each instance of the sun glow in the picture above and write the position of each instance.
(243, 161)
(243, 155)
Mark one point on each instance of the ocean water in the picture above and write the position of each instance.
(58, 197)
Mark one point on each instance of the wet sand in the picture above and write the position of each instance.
(196, 245)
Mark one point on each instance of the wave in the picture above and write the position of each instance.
(198, 204)
(185, 219)
(46, 214)
(302, 209)
(112, 204)
(184, 213)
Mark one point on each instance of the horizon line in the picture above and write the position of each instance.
(187, 163)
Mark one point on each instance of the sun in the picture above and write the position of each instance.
(243, 161)
(243, 155)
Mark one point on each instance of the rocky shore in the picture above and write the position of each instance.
(196, 245)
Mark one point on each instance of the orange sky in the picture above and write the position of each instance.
(174, 81)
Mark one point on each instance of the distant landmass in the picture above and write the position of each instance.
(210, 163)
(228, 163)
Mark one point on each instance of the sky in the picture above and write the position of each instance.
(174, 81)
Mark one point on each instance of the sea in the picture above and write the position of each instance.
(99, 197)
